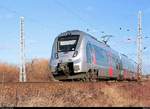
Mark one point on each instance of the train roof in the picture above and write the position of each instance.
(72, 32)
(81, 32)
(129, 58)
(88, 35)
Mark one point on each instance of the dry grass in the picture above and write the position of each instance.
(37, 71)
(8, 73)
(75, 94)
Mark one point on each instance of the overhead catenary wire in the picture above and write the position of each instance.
(28, 19)
(79, 17)
(74, 13)
(67, 8)
(18, 14)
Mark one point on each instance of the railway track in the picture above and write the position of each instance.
(54, 82)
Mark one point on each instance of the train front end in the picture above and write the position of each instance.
(66, 61)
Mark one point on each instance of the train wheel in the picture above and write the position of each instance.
(86, 77)
(83, 79)
(120, 77)
(93, 75)
(90, 76)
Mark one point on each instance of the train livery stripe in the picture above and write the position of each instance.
(94, 58)
(125, 74)
(106, 73)
(111, 72)
(101, 73)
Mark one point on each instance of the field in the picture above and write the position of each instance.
(37, 71)
(44, 91)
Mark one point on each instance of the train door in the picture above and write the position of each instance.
(110, 63)
(114, 66)
(89, 53)
(121, 71)
(118, 69)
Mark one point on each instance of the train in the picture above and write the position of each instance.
(77, 55)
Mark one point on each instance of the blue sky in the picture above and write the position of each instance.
(45, 19)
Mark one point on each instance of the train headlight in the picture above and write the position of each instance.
(75, 54)
(76, 68)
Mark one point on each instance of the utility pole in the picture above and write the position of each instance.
(22, 77)
(139, 46)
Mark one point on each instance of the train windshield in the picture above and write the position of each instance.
(67, 43)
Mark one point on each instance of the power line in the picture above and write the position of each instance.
(27, 18)
(10, 10)
(74, 13)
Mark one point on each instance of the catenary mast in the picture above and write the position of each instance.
(139, 45)
(22, 77)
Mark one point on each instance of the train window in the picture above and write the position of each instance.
(67, 43)
(115, 62)
(101, 56)
(71, 42)
(89, 53)
(53, 52)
